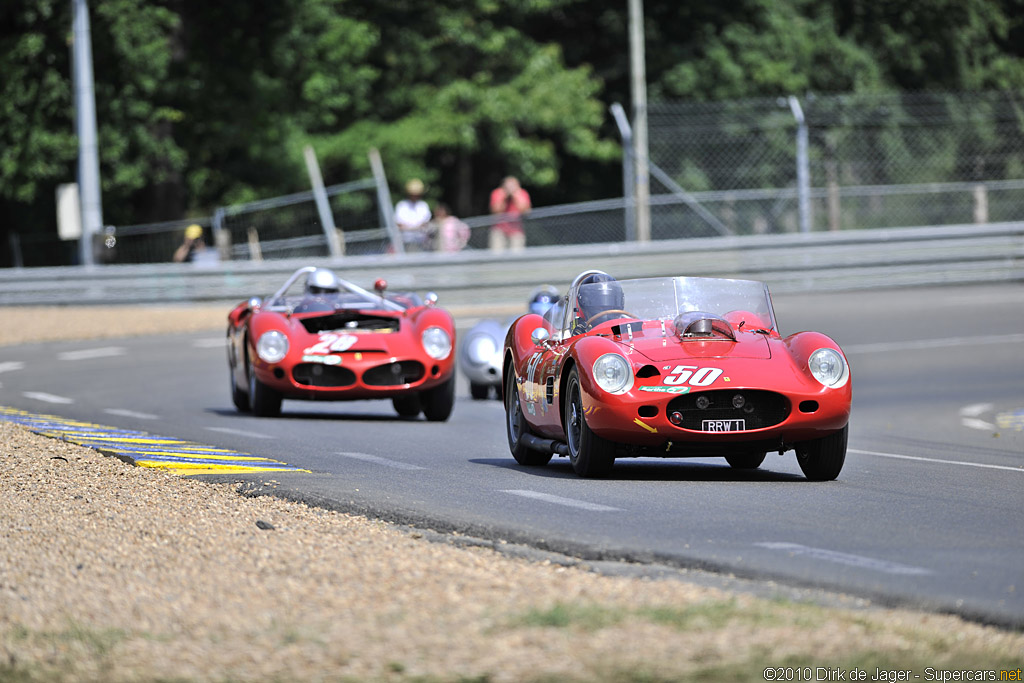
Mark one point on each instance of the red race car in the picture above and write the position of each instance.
(672, 367)
(334, 341)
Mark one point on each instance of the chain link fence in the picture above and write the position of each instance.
(721, 168)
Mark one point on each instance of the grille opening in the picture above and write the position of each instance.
(808, 406)
(647, 371)
(647, 411)
(759, 408)
(394, 374)
(319, 375)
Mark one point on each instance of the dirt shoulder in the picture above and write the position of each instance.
(110, 572)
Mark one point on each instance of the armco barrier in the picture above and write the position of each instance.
(478, 282)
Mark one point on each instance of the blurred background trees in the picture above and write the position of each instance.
(203, 104)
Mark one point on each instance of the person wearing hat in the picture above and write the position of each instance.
(193, 248)
(412, 215)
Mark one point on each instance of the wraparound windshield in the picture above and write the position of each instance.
(665, 298)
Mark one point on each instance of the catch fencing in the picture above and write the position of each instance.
(747, 167)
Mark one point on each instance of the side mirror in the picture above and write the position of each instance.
(540, 336)
(380, 285)
(430, 298)
(255, 303)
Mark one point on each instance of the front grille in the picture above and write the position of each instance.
(394, 374)
(761, 408)
(320, 375)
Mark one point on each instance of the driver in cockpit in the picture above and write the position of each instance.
(321, 285)
(599, 299)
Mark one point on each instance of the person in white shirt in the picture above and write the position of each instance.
(412, 215)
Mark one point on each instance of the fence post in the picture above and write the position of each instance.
(322, 206)
(387, 211)
(803, 181)
(627, 168)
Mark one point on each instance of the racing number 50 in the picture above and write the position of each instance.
(693, 375)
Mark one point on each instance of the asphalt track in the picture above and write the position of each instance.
(928, 511)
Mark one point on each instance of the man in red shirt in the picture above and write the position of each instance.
(511, 202)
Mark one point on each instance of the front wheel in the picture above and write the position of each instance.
(822, 459)
(263, 401)
(590, 454)
(407, 405)
(745, 461)
(439, 401)
(516, 427)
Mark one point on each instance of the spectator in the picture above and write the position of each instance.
(511, 202)
(193, 248)
(412, 215)
(451, 234)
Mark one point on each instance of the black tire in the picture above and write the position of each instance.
(745, 461)
(263, 401)
(822, 459)
(407, 405)
(238, 397)
(438, 402)
(516, 428)
(479, 392)
(590, 455)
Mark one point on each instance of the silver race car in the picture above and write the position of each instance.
(480, 352)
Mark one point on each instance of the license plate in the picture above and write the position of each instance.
(724, 425)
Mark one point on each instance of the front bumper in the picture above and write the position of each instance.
(343, 377)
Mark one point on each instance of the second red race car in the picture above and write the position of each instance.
(672, 367)
(331, 340)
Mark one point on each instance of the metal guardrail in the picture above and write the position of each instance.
(481, 282)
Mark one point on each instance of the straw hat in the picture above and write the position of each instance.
(194, 231)
(414, 186)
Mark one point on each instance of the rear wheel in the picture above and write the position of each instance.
(516, 427)
(439, 401)
(822, 459)
(263, 401)
(745, 461)
(479, 391)
(407, 405)
(590, 454)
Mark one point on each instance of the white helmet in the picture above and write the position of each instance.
(322, 281)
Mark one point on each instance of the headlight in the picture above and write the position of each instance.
(612, 373)
(437, 343)
(272, 346)
(828, 367)
(481, 349)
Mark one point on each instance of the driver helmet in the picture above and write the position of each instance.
(322, 281)
(597, 293)
(543, 298)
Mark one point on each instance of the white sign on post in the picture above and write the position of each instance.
(69, 212)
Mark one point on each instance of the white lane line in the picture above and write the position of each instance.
(366, 457)
(11, 365)
(48, 398)
(861, 561)
(975, 409)
(85, 354)
(933, 343)
(124, 413)
(936, 460)
(238, 432)
(130, 413)
(210, 343)
(559, 500)
(969, 416)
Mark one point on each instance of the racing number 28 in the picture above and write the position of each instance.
(693, 375)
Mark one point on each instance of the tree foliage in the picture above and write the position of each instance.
(204, 104)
